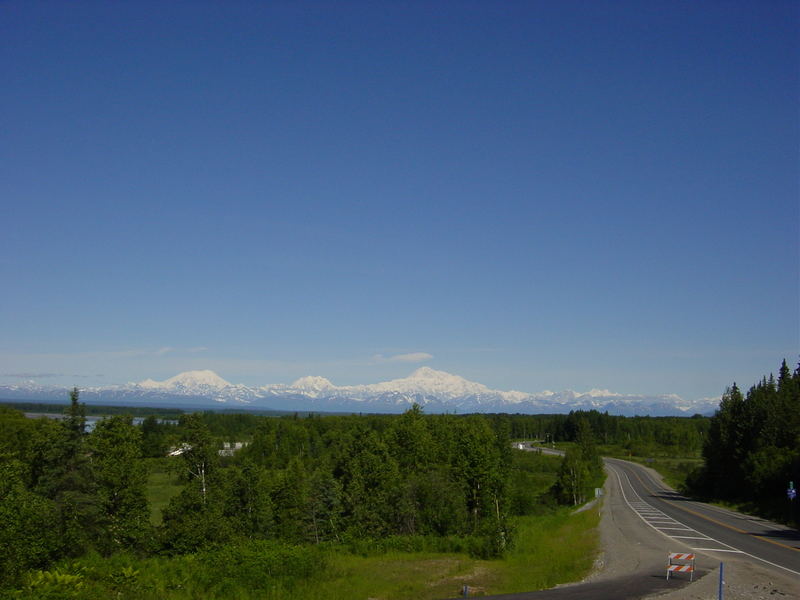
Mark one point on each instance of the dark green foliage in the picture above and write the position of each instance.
(638, 436)
(249, 499)
(370, 481)
(120, 478)
(315, 480)
(93, 409)
(197, 516)
(435, 505)
(16, 434)
(29, 530)
(532, 476)
(753, 447)
(581, 469)
(260, 564)
(195, 520)
(154, 437)
(67, 479)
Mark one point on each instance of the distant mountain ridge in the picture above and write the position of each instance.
(436, 391)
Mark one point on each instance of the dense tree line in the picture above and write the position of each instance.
(96, 409)
(752, 450)
(318, 479)
(642, 436)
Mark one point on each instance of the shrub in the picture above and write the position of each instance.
(258, 564)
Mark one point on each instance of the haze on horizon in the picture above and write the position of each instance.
(528, 195)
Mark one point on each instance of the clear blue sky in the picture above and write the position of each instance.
(533, 195)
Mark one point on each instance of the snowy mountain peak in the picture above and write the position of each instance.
(429, 381)
(595, 393)
(312, 383)
(429, 374)
(189, 380)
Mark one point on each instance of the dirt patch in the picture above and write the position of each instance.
(459, 580)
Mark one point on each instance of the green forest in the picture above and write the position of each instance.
(390, 506)
(752, 450)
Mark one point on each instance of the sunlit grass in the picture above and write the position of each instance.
(394, 576)
(162, 486)
(548, 550)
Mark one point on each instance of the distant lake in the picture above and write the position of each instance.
(91, 420)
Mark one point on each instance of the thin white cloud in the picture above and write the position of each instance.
(174, 350)
(31, 375)
(411, 357)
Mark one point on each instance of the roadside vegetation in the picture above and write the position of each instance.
(553, 549)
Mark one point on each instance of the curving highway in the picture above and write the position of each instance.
(705, 528)
(643, 521)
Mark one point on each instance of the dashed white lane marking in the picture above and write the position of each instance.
(722, 550)
(658, 520)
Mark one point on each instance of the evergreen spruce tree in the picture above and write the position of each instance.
(29, 525)
(121, 479)
(66, 477)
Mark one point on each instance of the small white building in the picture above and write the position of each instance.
(229, 448)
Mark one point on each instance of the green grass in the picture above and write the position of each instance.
(393, 576)
(162, 486)
(549, 550)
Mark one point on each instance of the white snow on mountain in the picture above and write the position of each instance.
(189, 381)
(436, 390)
(425, 381)
(310, 386)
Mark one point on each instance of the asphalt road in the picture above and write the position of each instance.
(704, 528)
(643, 521)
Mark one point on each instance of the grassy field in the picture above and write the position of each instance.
(162, 486)
(548, 550)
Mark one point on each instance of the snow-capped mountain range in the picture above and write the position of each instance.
(435, 391)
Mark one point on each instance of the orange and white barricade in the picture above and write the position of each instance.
(680, 562)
